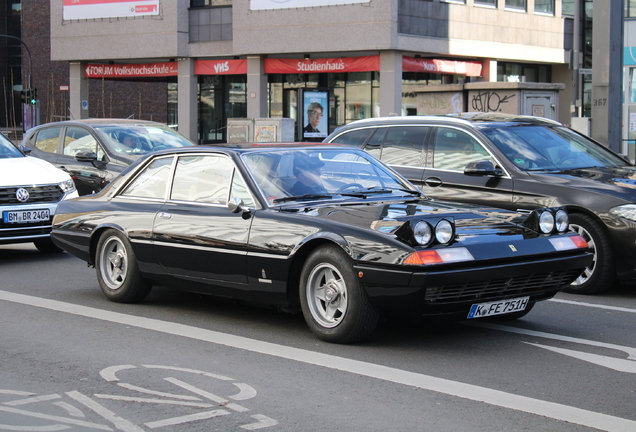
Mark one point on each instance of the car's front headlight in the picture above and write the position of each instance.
(627, 211)
(67, 186)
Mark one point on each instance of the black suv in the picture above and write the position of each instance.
(517, 163)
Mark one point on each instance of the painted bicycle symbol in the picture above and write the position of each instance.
(189, 395)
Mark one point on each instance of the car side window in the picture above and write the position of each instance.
(239, 190)
(203, 179)
(455, 148)
(403, 145)
(46, 139)
(153, 180)
(354, 138)
(374, 145)
(77, 139)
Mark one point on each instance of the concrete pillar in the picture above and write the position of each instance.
(390, 83)
(256, 88)
(187, 100)
(607, 68)
(78, 92)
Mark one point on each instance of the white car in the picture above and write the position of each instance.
(30, 190)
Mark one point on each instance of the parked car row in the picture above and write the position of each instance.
(514, 209)
(30, 191)
(516, 162)
(94, 151)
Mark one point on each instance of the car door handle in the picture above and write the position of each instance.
(433, 182)
(163, 215)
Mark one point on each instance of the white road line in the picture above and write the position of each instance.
(593, 305)
(631, 352)
(119, 422)
(33, 399)
(196, 390)
(454, 388)
(55, 418)
(185, 419)
(153, 401)
(157, 393)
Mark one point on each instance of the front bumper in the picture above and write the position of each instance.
(453, 290)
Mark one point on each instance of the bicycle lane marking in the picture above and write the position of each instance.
(486, 395)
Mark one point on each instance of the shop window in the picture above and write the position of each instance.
(630, 8)
(523, 72)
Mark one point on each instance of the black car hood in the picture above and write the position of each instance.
(619, 182)
(389, 216)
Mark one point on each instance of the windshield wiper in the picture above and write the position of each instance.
(364, 192)
(302, 197)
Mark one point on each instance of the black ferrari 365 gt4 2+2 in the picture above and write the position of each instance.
(328, 230)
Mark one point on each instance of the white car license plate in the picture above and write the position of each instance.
(26, 216)
(499, 307)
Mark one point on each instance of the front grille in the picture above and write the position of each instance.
(496, 288)
(37, 194)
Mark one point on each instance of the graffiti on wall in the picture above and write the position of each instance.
(493, 101)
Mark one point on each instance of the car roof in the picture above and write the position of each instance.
(466, 118)
(253, 147)
(101, 122)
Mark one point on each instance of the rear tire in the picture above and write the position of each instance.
(117, 270)
(599, 275)
(333, 302)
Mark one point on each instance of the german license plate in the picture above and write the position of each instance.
(480, 310)
(26, 216)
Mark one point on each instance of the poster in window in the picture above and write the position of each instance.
(315, 104)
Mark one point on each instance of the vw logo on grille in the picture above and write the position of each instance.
(22, 194)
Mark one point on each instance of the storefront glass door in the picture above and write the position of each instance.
(220, 97)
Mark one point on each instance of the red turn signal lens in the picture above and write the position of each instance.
(569, 242)
(579, 241)
(423, 258)
(439, 256)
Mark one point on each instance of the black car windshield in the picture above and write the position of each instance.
(536, 148)
(322, 173)
(7, 149)
(137, 140)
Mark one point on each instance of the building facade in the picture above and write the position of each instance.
(194, 64)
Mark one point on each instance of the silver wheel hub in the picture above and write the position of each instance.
(327, 296)
(331, 294)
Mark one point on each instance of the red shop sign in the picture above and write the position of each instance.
(131, 70)
(410, 64)
(220, 67)
(333, 65)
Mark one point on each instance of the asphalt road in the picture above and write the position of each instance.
(72, 360)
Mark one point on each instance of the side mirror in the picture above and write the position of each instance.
(482, 168)
(26, 150)
(85, 156)
(236, 205)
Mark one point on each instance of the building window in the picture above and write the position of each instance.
(567, 7)
(516, 4)
(209, 3)
(630, 8)
(523, 72)
(544, 6)
(492, 3)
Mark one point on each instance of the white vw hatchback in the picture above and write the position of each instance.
(30, 190)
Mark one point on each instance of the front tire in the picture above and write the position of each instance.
(333, 302)
(599, 275)
(117, 270)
